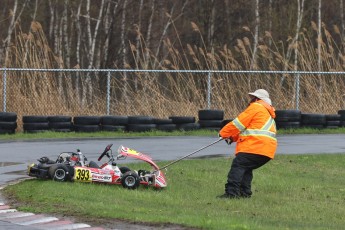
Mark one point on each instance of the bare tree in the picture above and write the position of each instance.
(256, 35)
(15, 16)
(319, 37)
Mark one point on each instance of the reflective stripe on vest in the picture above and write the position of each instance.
(264, 131)
(239, 125)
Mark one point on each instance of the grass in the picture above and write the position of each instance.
(120, 134)
(290, 192)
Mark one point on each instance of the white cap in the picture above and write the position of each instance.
(263, 95)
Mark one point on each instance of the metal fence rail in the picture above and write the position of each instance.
(212, 85)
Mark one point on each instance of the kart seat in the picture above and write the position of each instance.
(93, 164)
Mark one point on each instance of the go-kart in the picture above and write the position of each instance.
(71, 166)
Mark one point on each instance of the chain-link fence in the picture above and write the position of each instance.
(163, 93)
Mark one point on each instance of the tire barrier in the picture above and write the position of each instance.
(114, 123)
(87, 124)
(288, 119)
(317, 121)
(211, 119)
(35, 124)
(60, 123)
(8, 123)
(341, 113)
(140, 124)
(185, 123)
(332, 121)
(208, 119)
(165, 125)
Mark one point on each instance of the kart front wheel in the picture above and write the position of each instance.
(59, 173)
(130, 180)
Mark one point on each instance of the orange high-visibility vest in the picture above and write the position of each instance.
(254, 130)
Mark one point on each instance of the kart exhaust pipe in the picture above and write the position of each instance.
(171, 163)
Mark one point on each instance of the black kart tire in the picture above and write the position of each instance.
(114, 120)
(7, 131)
(313, 119)
(209, 114)
(333, 117)
(166, 127)
(60, 125)
(8, 117)
(130, 180)
(62, 130)
(36, 131)
(342, 114)
(182, 119)
(140, 120)
(87, 128)
(141, 127)
(333, 123)
(288, 124)
(87, 120)
(36, 126)
(313, 126)
(35, 119)
(58, 119)
(59, 172)
(288, 115)
(159, 121)
(210, 123)
(8, 125)
(113, 128)
(188, 126)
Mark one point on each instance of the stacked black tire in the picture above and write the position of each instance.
(165, 124)
(288, 119)
(35, 124)
(185, 123)
(140, 124)
(60, 123)
(87, 124)
(8, 123)
(211, 119)
(332, 121)
(114, 123)
(312, 120)
(341, 113)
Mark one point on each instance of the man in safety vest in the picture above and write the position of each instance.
(254, 130)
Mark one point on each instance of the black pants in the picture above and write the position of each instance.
(241, 173)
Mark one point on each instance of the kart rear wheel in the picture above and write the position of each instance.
(59, 173)
(130, 180)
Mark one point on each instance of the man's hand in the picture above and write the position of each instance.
(228, 140)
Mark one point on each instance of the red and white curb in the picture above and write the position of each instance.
(39, 221)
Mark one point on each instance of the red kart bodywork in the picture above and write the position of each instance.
(111, 174)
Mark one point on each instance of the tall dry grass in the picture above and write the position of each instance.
(166, 94)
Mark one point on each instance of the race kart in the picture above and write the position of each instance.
(71, 166)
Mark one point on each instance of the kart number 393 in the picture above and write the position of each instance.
(82, 175)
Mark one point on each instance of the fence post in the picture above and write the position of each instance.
(4, 89)
(108, 93)
(297, 91)
(209, 90)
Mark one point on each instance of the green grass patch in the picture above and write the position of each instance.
(121, 134)
(290, 192)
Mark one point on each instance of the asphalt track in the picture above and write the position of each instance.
(16, 155)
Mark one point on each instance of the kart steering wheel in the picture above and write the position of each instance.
(105, 151)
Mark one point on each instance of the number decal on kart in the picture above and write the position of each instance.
(82, 175)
